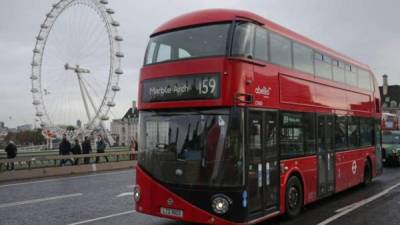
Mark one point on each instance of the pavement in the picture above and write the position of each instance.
(106, 198)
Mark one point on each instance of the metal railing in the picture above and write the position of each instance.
(46, 161)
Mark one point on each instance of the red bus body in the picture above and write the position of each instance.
(255, 85)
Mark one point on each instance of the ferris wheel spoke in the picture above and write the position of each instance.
(99, 83)
(93, 89)
(84, 31)
(89, 97)
(93, 44)
(59, 52)
(98, 31)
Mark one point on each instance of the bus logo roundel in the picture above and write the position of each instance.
(354, 167)
(170, 201)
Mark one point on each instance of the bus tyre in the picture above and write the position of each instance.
(367, 173)
(294, 197)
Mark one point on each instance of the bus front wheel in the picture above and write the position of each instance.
(294, 197)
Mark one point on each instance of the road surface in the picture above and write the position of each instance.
(106, 198)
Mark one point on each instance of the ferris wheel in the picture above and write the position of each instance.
(76, 67)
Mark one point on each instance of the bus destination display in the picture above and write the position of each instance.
(193, 87)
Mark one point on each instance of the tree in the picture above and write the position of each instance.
(24, 138)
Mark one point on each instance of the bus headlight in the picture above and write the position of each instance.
(136, 193)
(220, 204)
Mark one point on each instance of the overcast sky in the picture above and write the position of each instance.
(365, 30)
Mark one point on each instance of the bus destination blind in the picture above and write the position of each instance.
(193, 87)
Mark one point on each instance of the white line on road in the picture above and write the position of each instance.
(125, 194)
(347, 209)
(63, 178)
(103, 217)
(11, 204)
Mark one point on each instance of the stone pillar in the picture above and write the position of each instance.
(385, 86)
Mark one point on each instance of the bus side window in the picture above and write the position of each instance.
(303, 58)
(281, 52)
(366, 132)
(261, 44)
(323, 66)
(354, 132)
(309, 131)
(292, 134)
(364, 80)
(351, 75)
(340, 132)
(338, 71)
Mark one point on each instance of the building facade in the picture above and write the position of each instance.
(390, 95)
(124, 130)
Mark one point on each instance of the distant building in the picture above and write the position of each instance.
(390, 95)
(125, 129)
(2, 125)
(25, 127)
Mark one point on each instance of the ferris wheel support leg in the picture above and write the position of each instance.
(106, 132)
(88, 95)
(81, 87)
(110, 139)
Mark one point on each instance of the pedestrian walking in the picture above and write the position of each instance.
(86, 149)
(100, 147)
(65, 149)
(134, 148)
(11, 150)
(76, 150)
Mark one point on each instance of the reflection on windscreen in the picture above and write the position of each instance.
(194, 149)
(391, 139)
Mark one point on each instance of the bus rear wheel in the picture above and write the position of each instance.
(367, 173)
(294, 197)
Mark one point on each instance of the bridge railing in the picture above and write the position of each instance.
(46, 161)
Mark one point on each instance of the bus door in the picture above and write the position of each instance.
(271, 162)
(326, 155)
(262, 162)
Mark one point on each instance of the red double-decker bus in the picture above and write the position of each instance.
(242, 120)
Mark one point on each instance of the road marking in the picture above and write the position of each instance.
(125, 194)
(347, 209)
(103, 217)
(63, 178)
(130, 186)
(6, 205)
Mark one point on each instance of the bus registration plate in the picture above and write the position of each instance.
(171, 212)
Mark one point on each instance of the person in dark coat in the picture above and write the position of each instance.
(134, 147)
(100, 147)
(65, 149)
(86, 149)
(11, 150)
(77, 150)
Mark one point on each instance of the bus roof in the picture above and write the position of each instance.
(219, 15)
